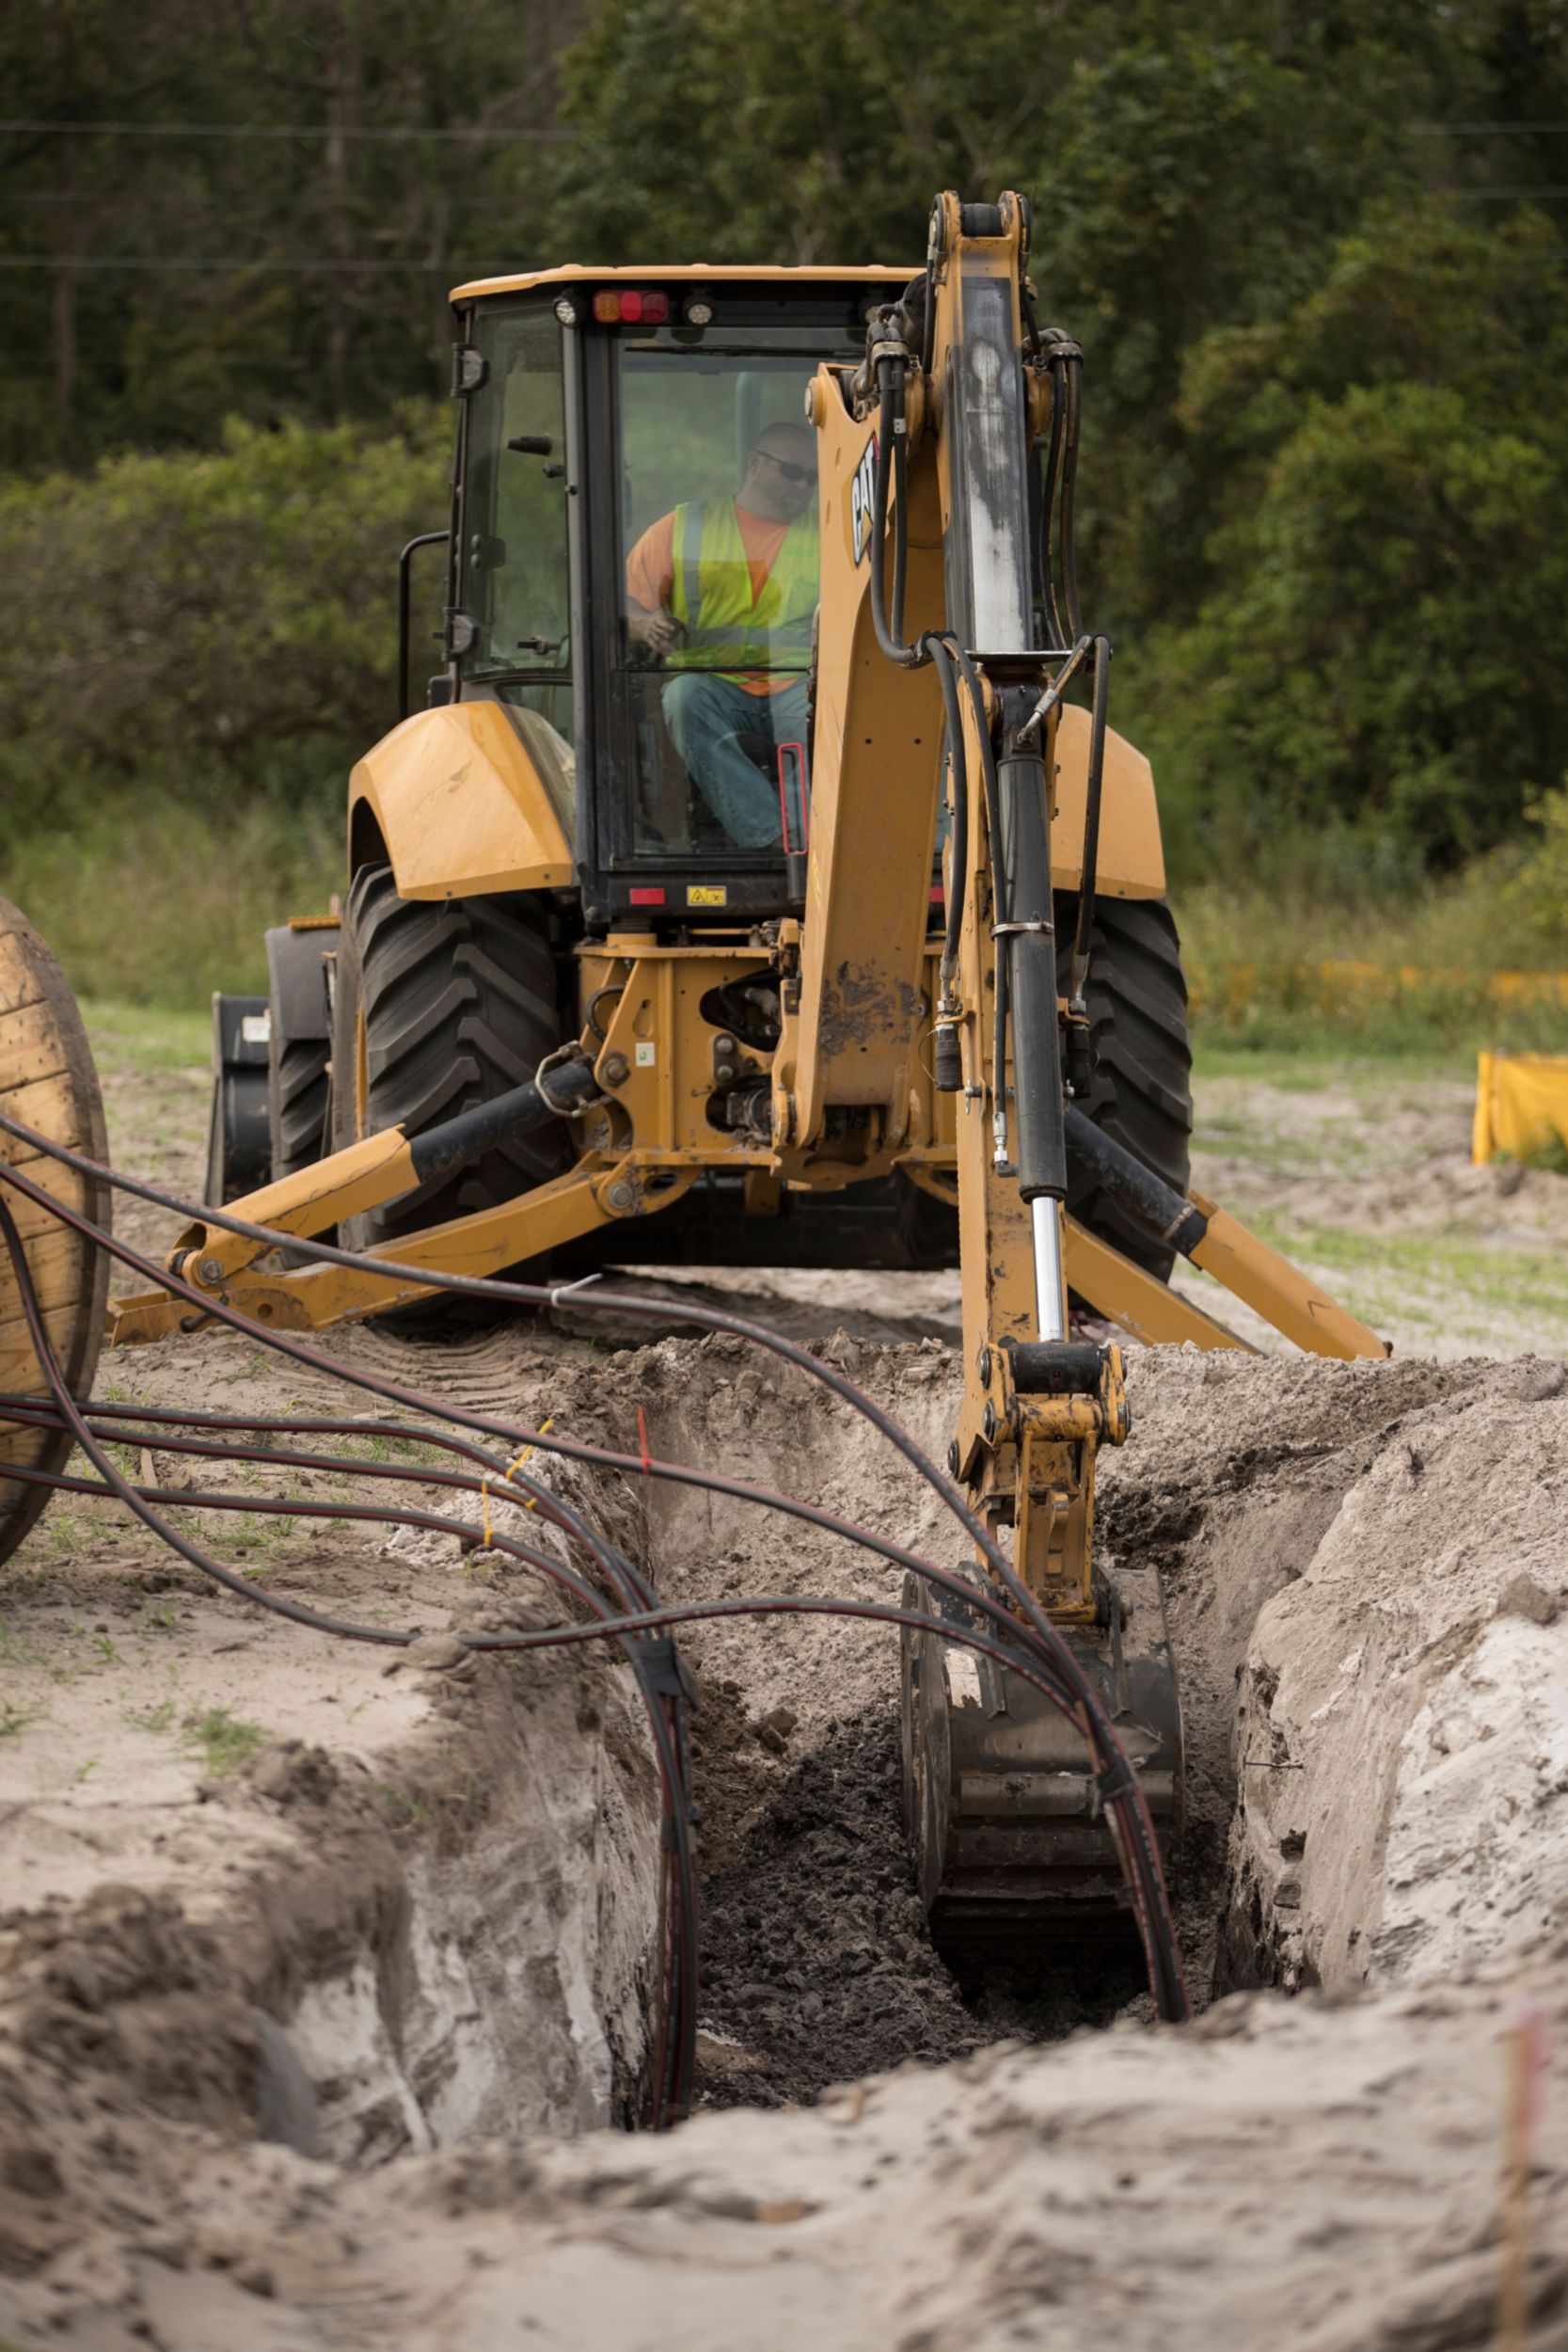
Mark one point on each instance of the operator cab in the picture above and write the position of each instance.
(633, 458)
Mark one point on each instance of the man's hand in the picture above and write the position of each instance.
(660, 629)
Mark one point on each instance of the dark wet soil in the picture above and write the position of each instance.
(818, 1963)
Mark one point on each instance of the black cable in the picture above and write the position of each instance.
(1082, 1701)
(900, 514)
(1047, 557)
(659, 1620)
(678, 1796)
(1001, 895)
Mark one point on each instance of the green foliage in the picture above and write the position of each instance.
(1409, 968)
(1540, 889)
(159, 901)
(294, 259)
(1381, 645)
(208, 620)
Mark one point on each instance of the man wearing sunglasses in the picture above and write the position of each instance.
(725, 591)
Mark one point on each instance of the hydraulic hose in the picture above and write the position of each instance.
(890, 471)
(957, 843)
(1001, 898)
(1072, 372)
(1047, 558)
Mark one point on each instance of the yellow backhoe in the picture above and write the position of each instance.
(762, 883)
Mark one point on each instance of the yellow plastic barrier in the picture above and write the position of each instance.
(1521, 1104)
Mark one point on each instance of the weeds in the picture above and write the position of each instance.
(158, 903)
(157, 1719)
(225, 1741)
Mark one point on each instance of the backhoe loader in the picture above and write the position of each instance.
(761, 882)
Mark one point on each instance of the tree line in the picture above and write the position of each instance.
(1315, 254)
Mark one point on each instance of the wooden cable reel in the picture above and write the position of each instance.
(46, 1078)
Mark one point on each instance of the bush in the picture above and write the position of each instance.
(207, 625)
(1391, 502)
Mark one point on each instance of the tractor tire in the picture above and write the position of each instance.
(299, 1046)
(296, 1105)
(1141, 1093)
(440, 1005)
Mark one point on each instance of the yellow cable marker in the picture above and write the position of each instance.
(544, 1428)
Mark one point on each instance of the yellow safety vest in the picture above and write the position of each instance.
(726, 630)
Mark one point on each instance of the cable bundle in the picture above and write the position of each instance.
(617, 1603)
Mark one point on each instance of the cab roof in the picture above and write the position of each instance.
(683, 273)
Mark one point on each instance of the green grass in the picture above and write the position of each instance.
(154, 904)
(1449, 1283)
(225, 1741)
(152, 1037)
(1294, 915)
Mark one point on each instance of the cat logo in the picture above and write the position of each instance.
(862, 499)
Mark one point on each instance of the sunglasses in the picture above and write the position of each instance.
(790, 473)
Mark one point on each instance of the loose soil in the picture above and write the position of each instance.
(326, 1986)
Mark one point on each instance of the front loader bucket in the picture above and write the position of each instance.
(1012, 1853)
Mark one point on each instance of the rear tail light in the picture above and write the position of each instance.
(631, 309)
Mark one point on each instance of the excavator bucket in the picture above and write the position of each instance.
(1000, 1805)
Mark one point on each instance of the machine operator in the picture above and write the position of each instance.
(722, 584)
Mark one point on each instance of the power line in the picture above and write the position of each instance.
(279, 131)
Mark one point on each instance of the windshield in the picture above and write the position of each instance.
(719, 537)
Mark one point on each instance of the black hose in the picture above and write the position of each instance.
(679, 1807)
(1000, 894)
(892, 457)
(941, 653)
(1073, 1690)
(1048, 512)
(1073, 374)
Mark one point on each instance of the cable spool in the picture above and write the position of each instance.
(48, 1079)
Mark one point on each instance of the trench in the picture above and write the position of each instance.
(818, 1963)
(457, 1947)
(1263, 1492)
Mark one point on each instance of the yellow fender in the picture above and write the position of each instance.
(467, 797)
(1132, 862)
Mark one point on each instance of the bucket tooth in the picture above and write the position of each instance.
(1000, 1802)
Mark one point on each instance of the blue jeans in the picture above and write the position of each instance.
(707, 717)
